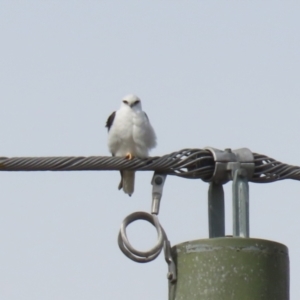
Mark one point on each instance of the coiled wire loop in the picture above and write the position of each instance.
(129, 250)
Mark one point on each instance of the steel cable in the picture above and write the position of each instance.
(186, 163)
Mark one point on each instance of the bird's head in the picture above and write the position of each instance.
(132, 101)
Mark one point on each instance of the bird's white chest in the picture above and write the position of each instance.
(127, 133)
(128, 123)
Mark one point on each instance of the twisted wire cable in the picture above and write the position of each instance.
(269, 170)
(186, 163)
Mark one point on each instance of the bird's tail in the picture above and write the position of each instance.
(127, 182)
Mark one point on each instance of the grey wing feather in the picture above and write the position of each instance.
(110, 121)
(121, 182)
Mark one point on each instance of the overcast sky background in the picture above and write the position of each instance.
(210, 73)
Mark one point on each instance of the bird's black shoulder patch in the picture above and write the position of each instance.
(110, 121)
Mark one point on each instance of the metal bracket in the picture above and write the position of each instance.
(227, 161)
(158, 182)
(238, 166)
(240, 204)
(216, 210)
(172, 277)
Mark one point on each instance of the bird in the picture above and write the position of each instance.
(130, 135)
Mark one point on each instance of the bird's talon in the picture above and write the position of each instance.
(129, 156)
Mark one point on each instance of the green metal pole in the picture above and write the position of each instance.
(230, 269)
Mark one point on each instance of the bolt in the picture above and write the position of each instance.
(158, 180)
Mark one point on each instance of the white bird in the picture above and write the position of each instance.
(130, 134)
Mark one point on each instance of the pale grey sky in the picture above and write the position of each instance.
(209, 73)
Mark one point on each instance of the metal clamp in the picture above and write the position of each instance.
(227, 161)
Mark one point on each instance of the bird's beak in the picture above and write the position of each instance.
(131, 105)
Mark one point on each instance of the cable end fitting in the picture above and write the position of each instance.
(158, 182)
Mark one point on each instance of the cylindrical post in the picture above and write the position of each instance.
(240, 195)
(216, 211)
(230, 269)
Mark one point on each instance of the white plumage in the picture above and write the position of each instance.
(130, 134)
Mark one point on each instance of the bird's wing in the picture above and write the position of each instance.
(149, 134)
(110, 120)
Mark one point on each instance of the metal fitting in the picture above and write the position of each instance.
(158, 182)
(227, 161)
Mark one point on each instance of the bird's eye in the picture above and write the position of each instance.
(136, 102)
(124, 101)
